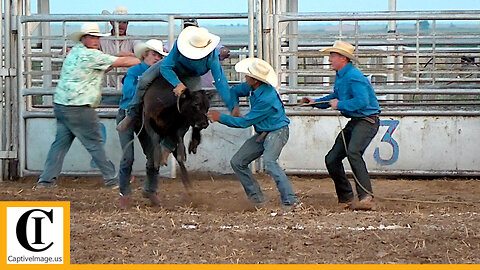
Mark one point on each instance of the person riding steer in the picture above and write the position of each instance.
(193, 55)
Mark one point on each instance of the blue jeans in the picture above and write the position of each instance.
(125, 172)
(81, 122)
(270, 147)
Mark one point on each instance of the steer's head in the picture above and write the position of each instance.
(194, 106)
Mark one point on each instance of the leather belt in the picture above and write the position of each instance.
(372, 119)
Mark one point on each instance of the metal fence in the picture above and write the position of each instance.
(425, 62)
(43, 54)
(43, 62)
(420, 63)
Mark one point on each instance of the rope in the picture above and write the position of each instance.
(131, 141)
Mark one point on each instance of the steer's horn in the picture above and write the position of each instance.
(178, 103)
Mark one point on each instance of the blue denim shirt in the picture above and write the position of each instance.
(267, 112)
(176, 65)
(354, 92)
(130, 83)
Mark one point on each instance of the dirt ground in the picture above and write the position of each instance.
(216, 224)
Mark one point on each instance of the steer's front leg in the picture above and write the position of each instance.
(181, 153)
(196, 139)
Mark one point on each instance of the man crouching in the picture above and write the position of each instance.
(267, 115)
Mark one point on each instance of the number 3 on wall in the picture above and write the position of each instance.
(392, 125)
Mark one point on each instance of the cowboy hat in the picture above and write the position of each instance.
(89, 28)
(344, 48)
(152, 44)
(196, 42)
(118, 11)
(258, 69)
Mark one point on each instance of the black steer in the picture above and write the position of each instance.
(168, 121)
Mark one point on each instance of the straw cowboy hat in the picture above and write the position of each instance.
(344, 48)
(89, 28)
(118, 11)
(196, 42)
(258, 69)
(152, 44)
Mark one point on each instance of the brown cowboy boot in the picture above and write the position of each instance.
(366, 204)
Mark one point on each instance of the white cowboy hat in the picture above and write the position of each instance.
(118, 11)
(196, 42)
(152, 44)
(344, 48)
(89, 28)
(258, 69)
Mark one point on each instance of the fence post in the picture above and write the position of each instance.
(44, 9)
(293, 48)
(2, 91)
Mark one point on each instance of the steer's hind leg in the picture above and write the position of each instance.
(159, 153)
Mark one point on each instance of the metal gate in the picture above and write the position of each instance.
(40, 56)
(425, 71)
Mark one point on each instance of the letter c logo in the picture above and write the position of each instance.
(22, 230)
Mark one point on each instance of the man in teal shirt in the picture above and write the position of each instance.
(77, 94)
(354, 97)
(267, 115)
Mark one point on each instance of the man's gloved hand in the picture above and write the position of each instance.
(179, 89)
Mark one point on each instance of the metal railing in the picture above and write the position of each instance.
(39, 66)
(42, 78)
(414, 71)
(429, 56)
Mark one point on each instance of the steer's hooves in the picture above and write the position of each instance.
(192, 147)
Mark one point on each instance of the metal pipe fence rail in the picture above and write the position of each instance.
(39, 65)
(35, 56)
(421, 68)
(424, 51)
(8, 97)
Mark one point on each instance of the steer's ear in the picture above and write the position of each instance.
(210, 94)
